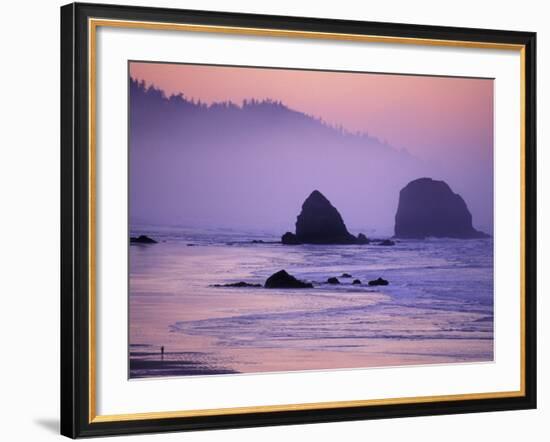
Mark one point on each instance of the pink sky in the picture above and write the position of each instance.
(431, 117)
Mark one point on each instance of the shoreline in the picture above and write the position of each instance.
(435, 310)
(141, 367)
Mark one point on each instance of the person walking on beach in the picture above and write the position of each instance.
(162, 352)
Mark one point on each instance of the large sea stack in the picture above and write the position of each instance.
(320, 223)
(430, 208)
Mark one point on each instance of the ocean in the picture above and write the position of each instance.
(437, 308)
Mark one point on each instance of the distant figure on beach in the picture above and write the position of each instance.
(162, 352)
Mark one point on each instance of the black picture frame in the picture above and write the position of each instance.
(76, 401)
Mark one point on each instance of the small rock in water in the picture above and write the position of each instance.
(257, 241)
(238, 284)
(290, 238)
(284, 280)
(387, 242)
(378, 281)
(345, 275)
(356, 282)
(142, 239)
(333, 280)
(362, 239)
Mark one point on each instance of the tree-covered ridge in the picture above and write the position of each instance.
(194, 163)
(151, 99)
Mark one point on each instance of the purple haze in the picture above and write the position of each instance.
(251, 167)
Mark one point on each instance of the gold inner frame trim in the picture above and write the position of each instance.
(93, 24)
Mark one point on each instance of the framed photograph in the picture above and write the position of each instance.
(274, 220)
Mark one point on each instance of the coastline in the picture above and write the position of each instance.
(220, 330)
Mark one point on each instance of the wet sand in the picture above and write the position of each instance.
(223, 330)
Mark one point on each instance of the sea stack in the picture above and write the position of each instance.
(320, 223)
(430, 208)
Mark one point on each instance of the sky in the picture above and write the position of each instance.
(446, 123)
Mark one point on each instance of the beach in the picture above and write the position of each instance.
(438, 307)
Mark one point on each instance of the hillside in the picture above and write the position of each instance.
(250, 165)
